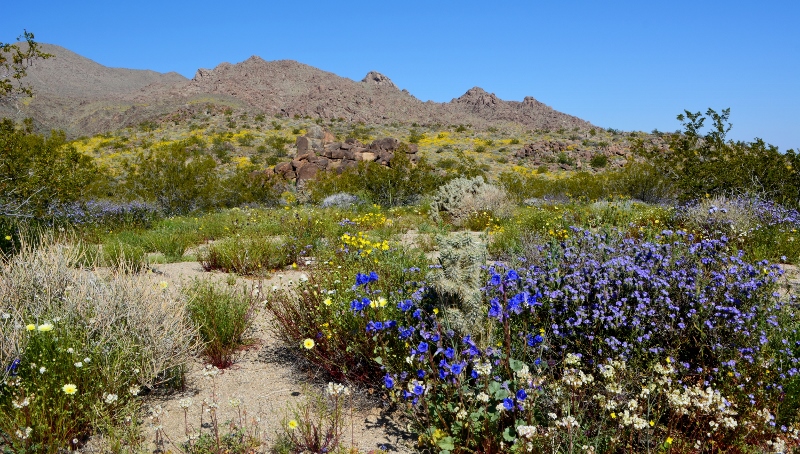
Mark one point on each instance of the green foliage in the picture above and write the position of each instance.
(178, 178)
(415, 136)
(247, 256)
(564, 158)
(222, 316)
(107, 337)
(14, 63)
(598, 161)
(246, 140)
(38, 172)
(698, 164)
(277, 144)
(361, 132)
(400, 183)
(640, 181)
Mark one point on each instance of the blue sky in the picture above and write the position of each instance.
(630, 65)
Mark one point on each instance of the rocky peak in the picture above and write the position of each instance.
(376, 78)
(478, 96)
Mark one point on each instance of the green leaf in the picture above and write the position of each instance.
(446, 444)
(516, 365)
(378, 360)
(507, 435)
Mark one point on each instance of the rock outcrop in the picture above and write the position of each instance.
(317, 151)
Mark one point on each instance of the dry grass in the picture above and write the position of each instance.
(125, 313)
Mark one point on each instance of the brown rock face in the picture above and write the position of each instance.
(63, 84)
(307, 171)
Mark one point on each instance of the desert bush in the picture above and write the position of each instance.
(223, 316)
(178, 179)
(252, 255)
(37, 172)
(278, 144)
(123, 256)
(77, 347)
(400, 183)
(598, 161)
(341, 327)
(462, 197)
(610, 343)
(698, 164)
(340, 200)
(316, 425)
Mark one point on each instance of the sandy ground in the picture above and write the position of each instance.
(264, 379)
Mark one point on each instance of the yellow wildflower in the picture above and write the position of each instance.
(69, 388)
(45, 327)
(327, 302)
(292, 424)
(308, 344)
(30, 327)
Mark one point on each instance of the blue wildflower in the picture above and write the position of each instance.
(388, 381)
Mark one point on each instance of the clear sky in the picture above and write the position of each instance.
(630, 65)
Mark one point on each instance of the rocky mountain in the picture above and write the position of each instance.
(83, 97)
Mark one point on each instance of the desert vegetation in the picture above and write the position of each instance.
(509, 291)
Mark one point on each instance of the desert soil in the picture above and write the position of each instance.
(264, 379)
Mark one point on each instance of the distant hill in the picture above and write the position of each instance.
(81, 96)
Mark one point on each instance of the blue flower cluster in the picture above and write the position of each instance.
(599, 297)
(103, 212)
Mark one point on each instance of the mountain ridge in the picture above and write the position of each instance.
(81, 96)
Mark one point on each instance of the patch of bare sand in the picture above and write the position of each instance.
(264, 379)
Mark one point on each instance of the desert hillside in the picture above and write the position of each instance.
(83, 97)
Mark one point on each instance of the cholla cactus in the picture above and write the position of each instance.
(462, 197)
(457, 282)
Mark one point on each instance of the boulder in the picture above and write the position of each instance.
(369, 157)
(315, 132)
(333, 146)
(328, 138)
(412, 148)
(283, 167)
(307, 171)
(386, 143)
(384, 157)
(303, 144)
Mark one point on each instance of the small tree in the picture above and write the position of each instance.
(14, 63)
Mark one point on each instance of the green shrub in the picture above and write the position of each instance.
(400, 183)
(598, 161)
(698, 164)
(415, 136)
(178, 179)
(247, 256)
(107, 336)
(246, 140)
(38, 172)
(222, 316)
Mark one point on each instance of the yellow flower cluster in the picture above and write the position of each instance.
(363, 244)
(560, 234)
(372, 220)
